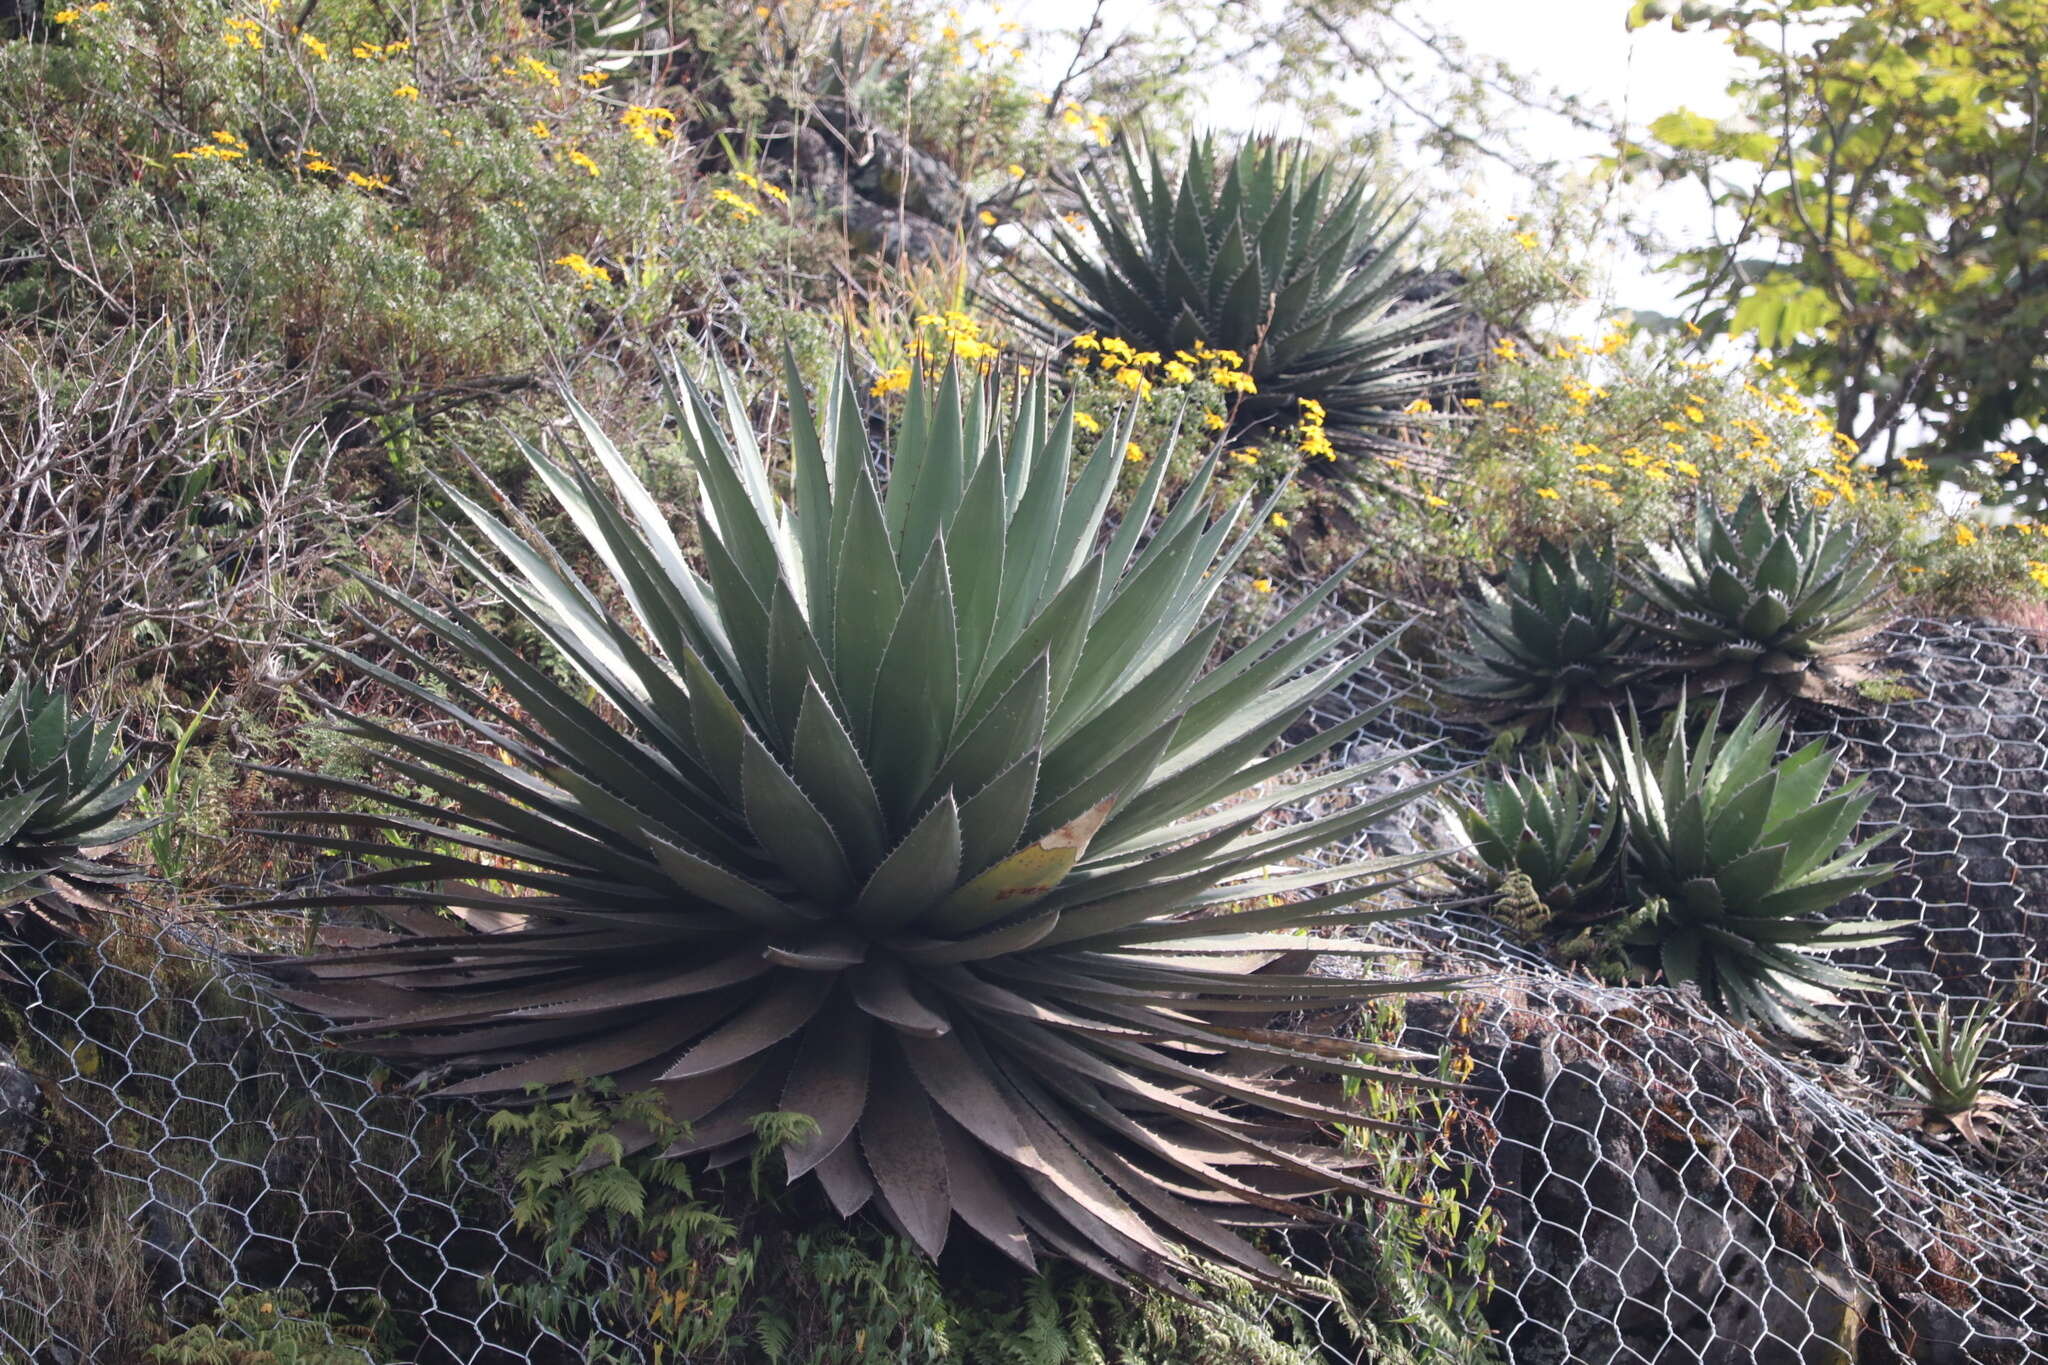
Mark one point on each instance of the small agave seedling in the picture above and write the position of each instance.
(1777, 595)
(923, 808)
(1547, 642)
(61, 803)
(1263, 252)
(1949, 1064)
(1558, 830)
(1735, 853)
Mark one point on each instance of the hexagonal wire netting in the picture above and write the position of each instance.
(1668, 1188)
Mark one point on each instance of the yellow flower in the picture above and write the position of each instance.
(1262, 585)
(1419, 406)
(895, 381)
(1245, 456)
(586, 271)
(741, 209)
(1279, 522)
(66, 16)
(541, 71)
(1526, 240)
(1965, 537)
(1177, 373)
(1214, 421)
(1133, 453)
(1087, 341)
(539, 129)
(1505, 348)
(1434, 501)
(1547, 493)
(594, 79)
(2008, 458)
(987, 219)
(1016, 171)
(316, 164)
(406, 92)
(368, 182)
(1087, 424)
(649, 126)
(314, 46)
(577, 158)
(1238, 380)
(1687, 468)
(1695, 415)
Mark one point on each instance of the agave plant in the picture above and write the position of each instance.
(1558, 830)
(1265, 253)
(1548, 640)
(1736, 853)
(61, 803)
(918, 809)
(1776, 594)
(1949, 1064)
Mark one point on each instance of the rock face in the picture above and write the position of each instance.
(895, 200)
(23, 1116)
(1960, 759)
(1673, 1192)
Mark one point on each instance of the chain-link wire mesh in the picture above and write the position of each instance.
(1666, 1187)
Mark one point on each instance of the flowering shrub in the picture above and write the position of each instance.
(1617, 435)
(399, 216)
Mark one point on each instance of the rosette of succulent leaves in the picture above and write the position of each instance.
(1267, 252)
(1735, 854)
(62, 799)
(922, 805)
(1548, 644)
(1776, 597)
(1555, 828)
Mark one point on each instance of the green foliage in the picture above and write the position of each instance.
(1264, 253)
(726, 1270)
(274, 1327)
(1548, 639)
(897, 829)
(1775, 594)
(1559, 830)
(1892, 231)
(61, 803)
(1733, 853)
(1949, 1061)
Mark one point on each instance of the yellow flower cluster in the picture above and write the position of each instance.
(1314, 440)
(740, 208)
(224, 147)
(314, 46)
(1075, 115)
(955, 334)
(378, 52)
(650, 126)
(242, 33)
(951, 335)
(1135, 369)
(72, 16)
(540, 71)
(591, 274)
(759, 186)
